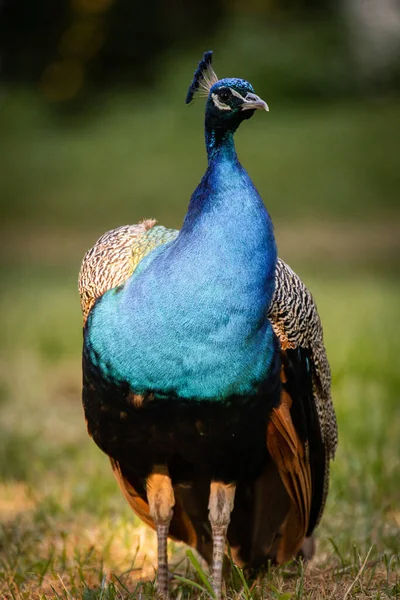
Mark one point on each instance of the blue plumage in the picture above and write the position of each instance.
(192, 320)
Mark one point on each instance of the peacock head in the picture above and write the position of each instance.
(229, 101)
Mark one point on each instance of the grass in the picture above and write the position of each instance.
(66, 530)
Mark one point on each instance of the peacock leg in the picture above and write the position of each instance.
(220, 506)
(160, 496)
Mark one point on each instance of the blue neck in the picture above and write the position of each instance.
(219, 141)
(226, 212)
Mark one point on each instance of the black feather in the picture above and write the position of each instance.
(198, 75)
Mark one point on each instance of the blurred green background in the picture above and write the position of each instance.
(95, 134)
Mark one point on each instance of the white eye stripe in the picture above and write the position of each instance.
(219, 104)
(235, 93)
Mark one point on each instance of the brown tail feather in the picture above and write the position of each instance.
(290, 457)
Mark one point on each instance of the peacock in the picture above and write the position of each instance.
(205, 376)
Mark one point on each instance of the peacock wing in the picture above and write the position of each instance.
(295, 444)
(115, 256)
(273, 515)
(302, 433)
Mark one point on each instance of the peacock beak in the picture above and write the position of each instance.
(252, 102)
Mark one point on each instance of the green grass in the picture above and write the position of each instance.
(66, 530)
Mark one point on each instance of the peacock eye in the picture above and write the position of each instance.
(224, 96)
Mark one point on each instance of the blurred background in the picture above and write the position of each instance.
(95, 134)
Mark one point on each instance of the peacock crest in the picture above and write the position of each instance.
(204, 78)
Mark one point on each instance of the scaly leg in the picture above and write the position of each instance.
(160, 496)
(220, 506)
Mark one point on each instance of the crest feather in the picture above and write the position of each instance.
(204, 78)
